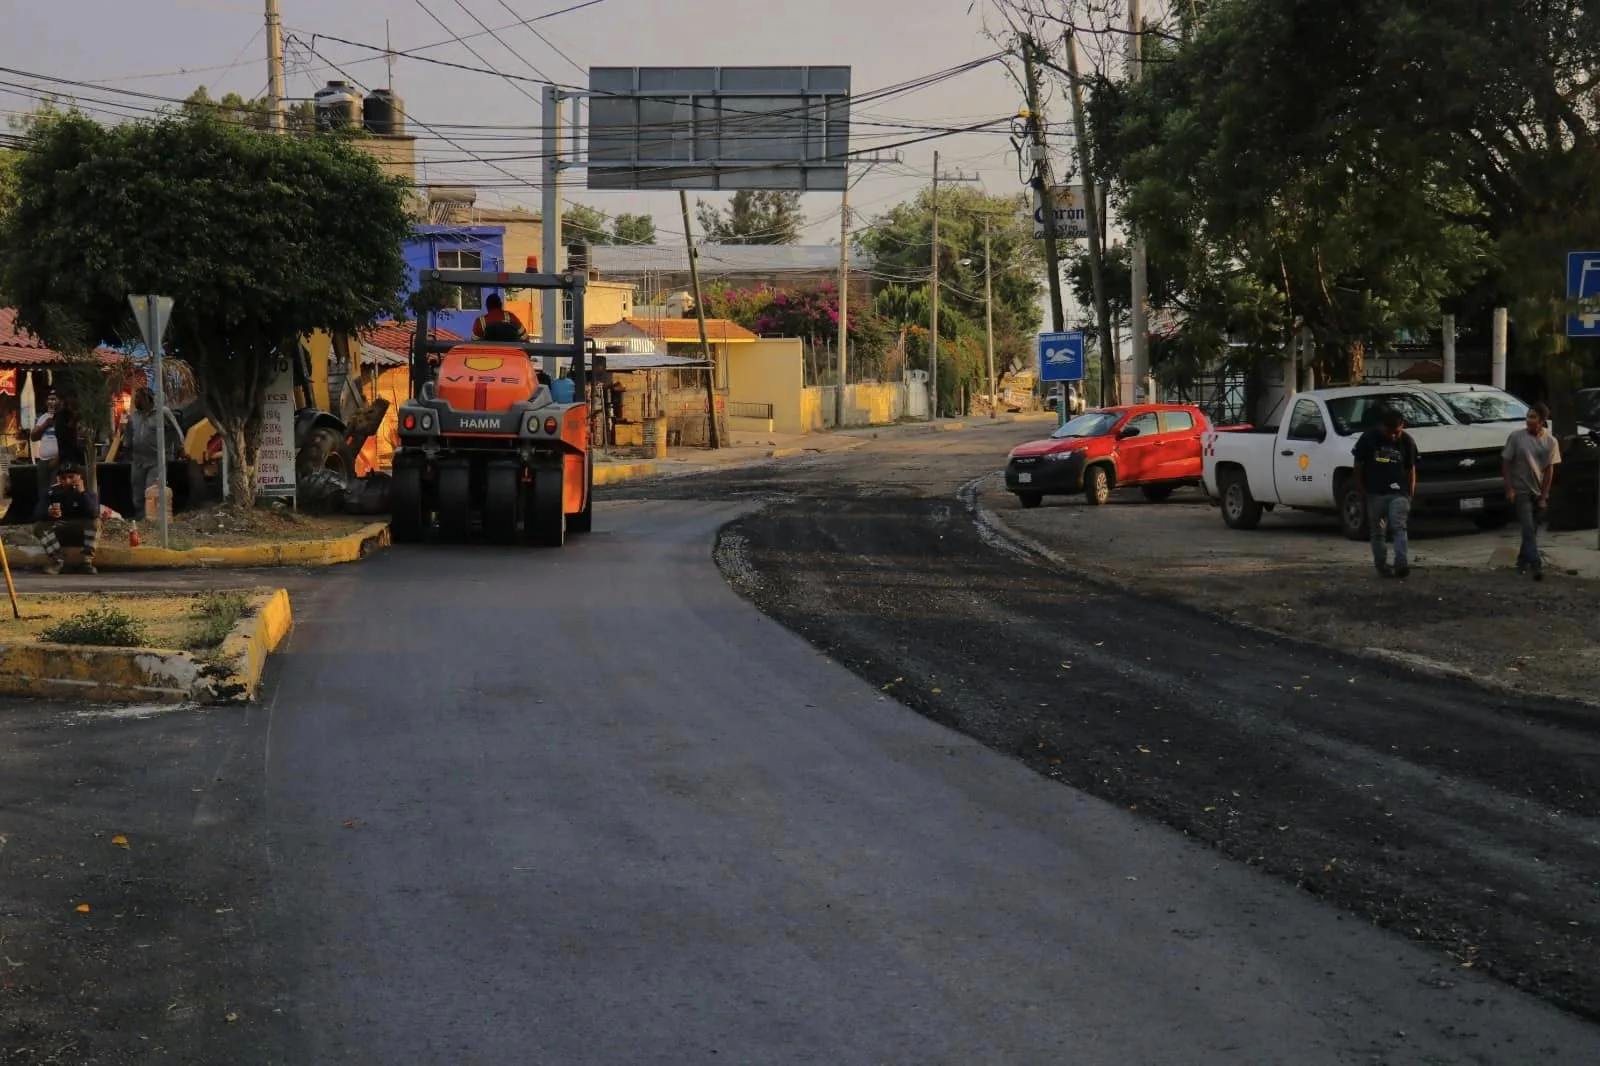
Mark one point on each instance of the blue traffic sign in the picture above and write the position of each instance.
(1061, 356)
(1583, 283)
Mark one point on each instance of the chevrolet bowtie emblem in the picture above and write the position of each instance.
(1468, 462)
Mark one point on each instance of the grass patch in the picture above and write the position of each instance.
(171, 620)
(104, 626)
(214, 615)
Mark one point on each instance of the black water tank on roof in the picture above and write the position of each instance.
(383, 113)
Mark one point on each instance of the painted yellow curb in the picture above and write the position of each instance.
(246, 649)
(783, 453)
(611, 473)
(70, 672)
(151, 675)
(952, 427)
(349, 548)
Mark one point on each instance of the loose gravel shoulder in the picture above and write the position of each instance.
(1296, 575)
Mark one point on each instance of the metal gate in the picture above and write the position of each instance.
(1220, 394)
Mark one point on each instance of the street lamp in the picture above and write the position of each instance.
(988, 315)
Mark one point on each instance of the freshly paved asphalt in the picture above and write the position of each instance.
(589, 806)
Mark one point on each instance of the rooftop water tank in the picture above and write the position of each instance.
(338, 105)
(383, 113)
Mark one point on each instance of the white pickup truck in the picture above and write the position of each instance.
(1306, 461)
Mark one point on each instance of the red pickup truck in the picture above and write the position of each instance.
(1153, 446)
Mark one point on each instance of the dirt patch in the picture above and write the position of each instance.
(1298, 576)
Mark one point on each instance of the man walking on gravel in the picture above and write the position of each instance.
(1386, 477)
(1528, 465)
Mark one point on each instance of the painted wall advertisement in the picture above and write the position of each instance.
(275, 461)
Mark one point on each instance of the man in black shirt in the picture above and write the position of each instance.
(1386, 477)
(68, 513)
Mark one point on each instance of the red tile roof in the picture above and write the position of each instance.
(19, 348)
(396, 337)
(687, 330)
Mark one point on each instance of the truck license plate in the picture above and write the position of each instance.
(1025, 479)
(1474, 504)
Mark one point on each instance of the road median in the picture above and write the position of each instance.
(225, 670)
(326, 551)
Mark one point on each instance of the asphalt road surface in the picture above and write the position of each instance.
(594, 807)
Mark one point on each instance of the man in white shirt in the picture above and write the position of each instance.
(44, 431)
(1528, 465)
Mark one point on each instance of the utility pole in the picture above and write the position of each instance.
(1497, 350)
(1110, 383)
(550, 226)
(988, 315)
(712, 436)
(1449, 338)
(275, 116)
(933, 339)
(1136, 250)
(1043, 185)
(844, 302)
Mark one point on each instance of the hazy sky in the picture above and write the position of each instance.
(165, 48)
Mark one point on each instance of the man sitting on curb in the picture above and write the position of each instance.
(68, 513)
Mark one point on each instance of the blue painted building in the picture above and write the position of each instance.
(455, 248)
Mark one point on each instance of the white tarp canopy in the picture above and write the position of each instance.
(629, 361)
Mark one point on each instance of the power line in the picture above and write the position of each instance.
(515, 181)
(508, 78)
(527, 24)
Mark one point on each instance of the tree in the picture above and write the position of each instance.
(1269, 204)
(299, 118)
(752, 217)
(746, 307)
(259, 239)
(633, 229)
(1349, 171)
(8, 181)
(900, 242)
(583, 224)
(588, 225)
(810, 314)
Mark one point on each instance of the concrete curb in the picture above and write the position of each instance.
(333, 551)
(1024, 544)
(247, 647)
(151, 675)
(611, 473)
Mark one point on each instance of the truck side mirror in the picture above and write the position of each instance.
(1131, 431)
